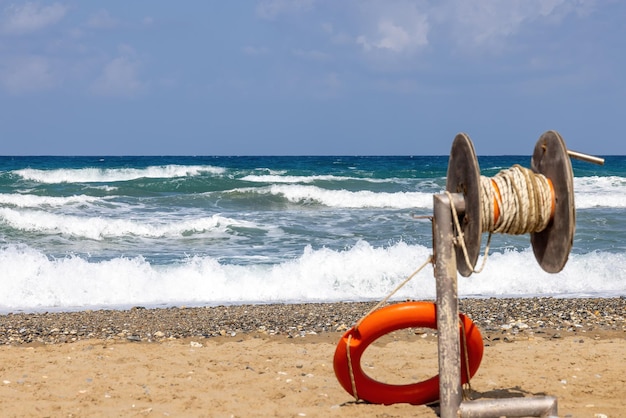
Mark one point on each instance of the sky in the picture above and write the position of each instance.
(310, 77)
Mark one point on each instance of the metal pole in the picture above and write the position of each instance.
(451, 403)
(450, 391)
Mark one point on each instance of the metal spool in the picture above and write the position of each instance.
(464, 177)
(552, 245)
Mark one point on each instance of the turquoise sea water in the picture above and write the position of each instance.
(93, 232)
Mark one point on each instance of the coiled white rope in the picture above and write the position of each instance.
(516, 201)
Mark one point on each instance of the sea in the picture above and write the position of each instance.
(115, 232)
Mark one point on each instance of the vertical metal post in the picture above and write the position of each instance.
(451, 403)
(450, 390)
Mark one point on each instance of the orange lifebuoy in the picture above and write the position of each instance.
(384, 321)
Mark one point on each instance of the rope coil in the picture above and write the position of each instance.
(516, 201)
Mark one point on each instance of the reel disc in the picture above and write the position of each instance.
(464, 177)
(552, 245)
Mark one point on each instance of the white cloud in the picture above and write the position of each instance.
(31, 17)
(396, 27)
(120, 76)
(408, 26)
(490, 22)
(26, 74)
(397, 38)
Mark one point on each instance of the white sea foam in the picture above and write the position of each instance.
(34, 201)
(607, 192)
(517, 273)
(45, 271)
(97, 228)
(589, 192)
(349, 199)
(275, 178)
(32, 281)
(97, 175)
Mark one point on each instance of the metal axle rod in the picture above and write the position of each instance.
(544, 407)
(585, 157)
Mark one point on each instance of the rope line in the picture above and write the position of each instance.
(352, 379)
(515, 201)
(355, 394)
(467, 389)
(428, 261)
(459, 239)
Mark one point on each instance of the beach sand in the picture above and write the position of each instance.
(277, 360)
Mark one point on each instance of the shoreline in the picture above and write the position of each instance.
(497, 318)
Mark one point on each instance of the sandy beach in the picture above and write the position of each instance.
(276, 360)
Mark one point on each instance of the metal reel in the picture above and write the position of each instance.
(553, 245)
(464, 177)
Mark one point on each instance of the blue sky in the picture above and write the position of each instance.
(310, 77)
